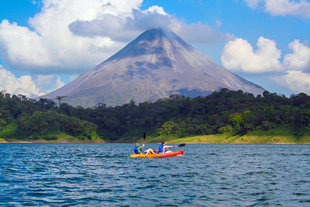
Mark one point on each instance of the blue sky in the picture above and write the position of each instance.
(46, 44)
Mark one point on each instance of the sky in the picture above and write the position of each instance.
(45, 44)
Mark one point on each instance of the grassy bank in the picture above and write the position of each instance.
(274, 136)
(2, 140)
(57, 137)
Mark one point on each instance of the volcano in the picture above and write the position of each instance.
(155, 65)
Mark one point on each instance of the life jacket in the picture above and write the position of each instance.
(138, 150)
(161, 149)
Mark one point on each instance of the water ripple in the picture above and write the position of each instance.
(104, 175)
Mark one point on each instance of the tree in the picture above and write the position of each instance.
(237, 122)
(171, 128)
(60, 98)
(2, 120)
(241, 122)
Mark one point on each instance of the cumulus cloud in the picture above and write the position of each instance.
(111, 25)
(239, 55)
(296, 63)
(283, 7)
(156, 9)
(70, 36)
(287, 7)
(48, 83)
(300, 58)
(22, 85)
(28, 85)
(297, 81)
(19, 44)
(49, 46)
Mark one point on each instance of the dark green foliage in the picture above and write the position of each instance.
(21, 118)
(225, 111)
(41, 123)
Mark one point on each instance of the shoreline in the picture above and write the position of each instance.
(215, 143)
(267, 139)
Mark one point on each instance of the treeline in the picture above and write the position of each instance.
(23, 118)
(226, 111)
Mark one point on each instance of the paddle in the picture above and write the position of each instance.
(180, 145)
(144, 136)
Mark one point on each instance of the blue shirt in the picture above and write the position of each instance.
(161, 149)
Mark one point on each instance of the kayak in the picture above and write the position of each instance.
(168, 154)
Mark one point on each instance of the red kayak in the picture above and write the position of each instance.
(168, 154)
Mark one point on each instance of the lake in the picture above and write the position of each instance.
(105, 175)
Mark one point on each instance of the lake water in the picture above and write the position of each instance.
(104, 175)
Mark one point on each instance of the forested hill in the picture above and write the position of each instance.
(223, 112)
(27, 119)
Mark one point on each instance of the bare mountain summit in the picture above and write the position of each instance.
(155, 65)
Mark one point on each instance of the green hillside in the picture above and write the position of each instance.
(222, 117)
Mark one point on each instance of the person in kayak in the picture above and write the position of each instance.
(163, 148)
(139, 150)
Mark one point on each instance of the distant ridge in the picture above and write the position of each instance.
(156, 64)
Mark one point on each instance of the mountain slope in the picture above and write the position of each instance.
(155, 65)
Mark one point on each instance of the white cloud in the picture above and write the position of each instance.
(48, 83)
(59, 83)
(22, 85)
(299, 8)
(27, 85)
(156, 9)
(252, 3)
(294, 78)
(49, 46)
(154, 17)
(19, 44)
(287, 7)
(71, 36)
(43, 81)
(238, 55)
(205, 35)
(300, 58)
(297, 81)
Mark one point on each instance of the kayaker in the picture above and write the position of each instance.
(138, 150)
(163, 148)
